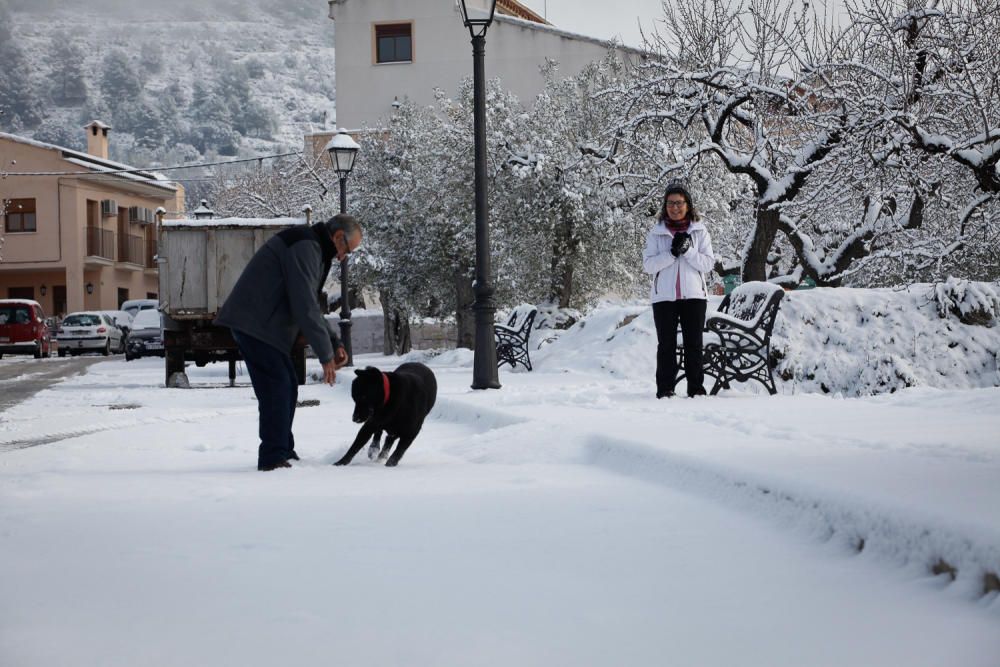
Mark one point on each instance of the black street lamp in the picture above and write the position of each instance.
(484, 367)
(343, 149)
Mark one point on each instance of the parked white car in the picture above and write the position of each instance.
(121, 318)
(133, 306)
(89, 331)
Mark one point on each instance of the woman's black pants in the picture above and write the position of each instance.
(691, 314)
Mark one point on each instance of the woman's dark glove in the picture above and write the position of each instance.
(680, 244)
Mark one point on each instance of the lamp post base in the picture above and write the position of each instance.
(484, 366)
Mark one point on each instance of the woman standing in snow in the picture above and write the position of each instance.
(678, 254)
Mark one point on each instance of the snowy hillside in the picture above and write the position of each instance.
(276, 54)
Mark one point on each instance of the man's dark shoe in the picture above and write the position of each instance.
(273, 466)
(293, 456)
(664, 394)
(697, 391)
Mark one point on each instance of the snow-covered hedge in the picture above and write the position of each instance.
(854, 342)
(871, 341)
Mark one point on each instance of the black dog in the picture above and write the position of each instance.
(396, 403)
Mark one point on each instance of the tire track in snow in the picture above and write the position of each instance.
(922, 545)
(57, 436)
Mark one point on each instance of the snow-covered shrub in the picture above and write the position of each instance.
(972, 303)
(857, 342)
(551, 316)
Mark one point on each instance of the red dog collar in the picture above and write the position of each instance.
(385, 388)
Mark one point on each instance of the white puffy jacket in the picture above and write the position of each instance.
(685, 272)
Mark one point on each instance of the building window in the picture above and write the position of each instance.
(20, 215)
(394, 43)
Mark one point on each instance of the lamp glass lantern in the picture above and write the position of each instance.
(90, 288)
(342, 149)
(481, 16)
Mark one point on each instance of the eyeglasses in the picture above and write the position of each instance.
(676, 204)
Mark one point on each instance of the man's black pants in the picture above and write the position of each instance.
(691, 314)
(276, 386)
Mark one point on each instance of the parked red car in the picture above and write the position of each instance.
(23, 329)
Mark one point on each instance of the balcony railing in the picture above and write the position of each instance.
(100, 243)
(130, 249)
(150, 254)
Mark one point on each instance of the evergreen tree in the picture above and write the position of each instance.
(120, 82)
(211, 121)
(18, 96)
(66, 58)
(56, 132)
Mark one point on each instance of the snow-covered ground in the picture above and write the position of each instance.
(568, 518)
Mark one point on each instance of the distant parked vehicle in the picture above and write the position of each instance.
(89, 331)
(23, 329)
(133, 306)
(146, 337)
(123, 319)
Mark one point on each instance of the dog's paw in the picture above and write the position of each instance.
(392, 463)
(341, 462)
(373, 452)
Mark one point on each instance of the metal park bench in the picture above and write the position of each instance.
(737, 338)
(512, 338)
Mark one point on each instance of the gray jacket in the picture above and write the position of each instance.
(276, 296)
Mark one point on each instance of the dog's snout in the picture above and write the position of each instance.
(358, 419)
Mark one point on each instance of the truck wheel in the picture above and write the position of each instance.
(174, 362)
(38, 349)
(299, 361)
(62, 352)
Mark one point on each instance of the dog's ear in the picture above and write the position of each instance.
(358, 371)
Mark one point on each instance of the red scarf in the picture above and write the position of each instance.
(677, 225)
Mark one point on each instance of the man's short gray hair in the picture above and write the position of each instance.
(345, 223)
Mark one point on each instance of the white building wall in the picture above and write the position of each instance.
(442, 56)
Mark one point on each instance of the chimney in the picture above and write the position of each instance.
(315, 146)
(97, 139)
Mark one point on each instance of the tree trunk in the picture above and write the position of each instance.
(395, 327)
(563, 263)
(465, 320)
(765, 231)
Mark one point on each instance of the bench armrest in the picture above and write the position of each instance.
(734, 333)
(722, 322)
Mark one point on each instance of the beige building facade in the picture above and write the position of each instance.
(78, 233)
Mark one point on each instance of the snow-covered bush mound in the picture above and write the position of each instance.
(854, 342)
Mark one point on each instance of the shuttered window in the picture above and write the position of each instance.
(394, 43)
(20, 215)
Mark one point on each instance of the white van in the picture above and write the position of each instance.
(133, 306)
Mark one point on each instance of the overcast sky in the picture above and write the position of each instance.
(607, 19)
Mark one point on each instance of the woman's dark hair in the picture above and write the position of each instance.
(678, 188)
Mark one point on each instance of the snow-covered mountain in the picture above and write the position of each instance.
(175, 79)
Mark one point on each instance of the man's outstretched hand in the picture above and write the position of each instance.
(330, 368)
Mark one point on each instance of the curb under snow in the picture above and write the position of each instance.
(921, 546)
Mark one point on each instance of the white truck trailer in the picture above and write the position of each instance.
(199, 261)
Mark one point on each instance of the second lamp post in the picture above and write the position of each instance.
(343, 149)
(484, 367)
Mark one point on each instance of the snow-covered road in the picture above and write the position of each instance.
(565, 519)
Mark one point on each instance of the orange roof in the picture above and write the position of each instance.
(515, 8)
